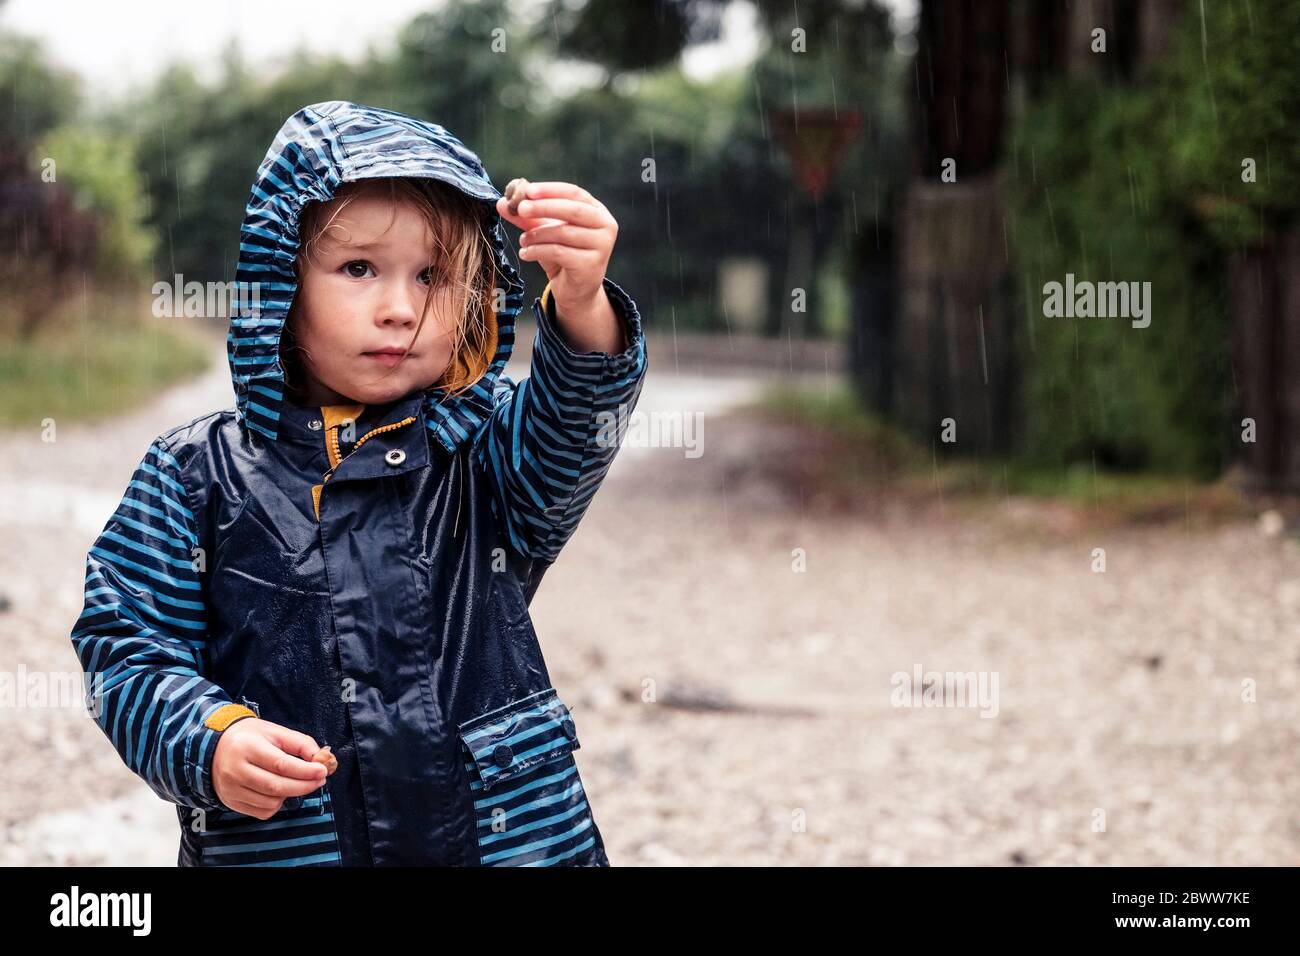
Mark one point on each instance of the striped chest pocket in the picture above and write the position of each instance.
(530, 808)
(301, 836)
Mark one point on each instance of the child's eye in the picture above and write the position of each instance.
(351, 267)
(426, 275)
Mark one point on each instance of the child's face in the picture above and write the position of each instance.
(362, 292)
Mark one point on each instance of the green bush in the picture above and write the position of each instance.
(100, 172)
(1143, 183)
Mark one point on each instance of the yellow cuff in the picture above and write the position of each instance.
(227, 715)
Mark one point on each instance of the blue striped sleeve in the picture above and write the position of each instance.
(141, 633)
(551, 438)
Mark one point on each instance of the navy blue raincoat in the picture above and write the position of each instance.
(368, 586)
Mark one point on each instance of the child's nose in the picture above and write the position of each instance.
(398, 307)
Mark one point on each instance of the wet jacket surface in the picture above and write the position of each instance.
(361, 574)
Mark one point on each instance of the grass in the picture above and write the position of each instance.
(97, 357)
(839, 411)
(911, 465)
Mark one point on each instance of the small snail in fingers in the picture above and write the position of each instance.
(515, 194)
(324, 756)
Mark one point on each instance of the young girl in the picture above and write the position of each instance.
(345, 558)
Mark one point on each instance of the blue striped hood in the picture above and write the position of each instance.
(320, 147)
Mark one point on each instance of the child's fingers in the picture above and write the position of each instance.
(284, 764)
(247, 809)
(253, 803)
(523, 222)
(565, 257)
(563, 234)
(272, 785)
(567, 210)
(250, 811)
(558, 191)
(291, 741)
(235, 794)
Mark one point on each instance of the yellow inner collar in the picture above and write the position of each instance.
(336, 416)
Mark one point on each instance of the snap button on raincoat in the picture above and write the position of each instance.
(366, 585)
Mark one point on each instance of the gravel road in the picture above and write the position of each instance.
(733, 654)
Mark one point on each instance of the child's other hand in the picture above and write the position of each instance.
(259, 763)
(570, 234)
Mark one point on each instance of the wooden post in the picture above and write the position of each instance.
(954, 354)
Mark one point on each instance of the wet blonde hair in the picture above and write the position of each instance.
(461, 257)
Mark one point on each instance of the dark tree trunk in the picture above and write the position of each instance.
(1264, 291)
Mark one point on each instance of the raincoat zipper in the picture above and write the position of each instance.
(336, 455)
(334, 436)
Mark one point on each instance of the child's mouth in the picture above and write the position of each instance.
(387, 358)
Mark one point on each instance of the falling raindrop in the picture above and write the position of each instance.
(1204, 38)
(672, 309)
